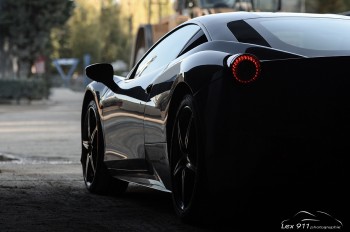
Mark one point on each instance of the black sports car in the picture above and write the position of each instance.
(223, 102)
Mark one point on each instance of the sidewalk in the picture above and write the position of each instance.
(43, 130)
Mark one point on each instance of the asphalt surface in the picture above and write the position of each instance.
(41, 184)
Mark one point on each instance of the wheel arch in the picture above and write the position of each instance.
(88, 97)
(93, 92)
(181, 90)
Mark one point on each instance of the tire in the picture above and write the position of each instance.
(186, 164)
(96, 177)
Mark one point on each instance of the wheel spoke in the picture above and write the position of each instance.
(183, 176)
(179, 135)
(188, 129)
(93, 134)
(86, 145)
(179, 166)
(88, 124)
(87, 163)
(92, 164)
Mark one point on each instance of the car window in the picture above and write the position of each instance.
(316, 34)
(305, 36)
(167, 50)
(198, 39)
(244, 33)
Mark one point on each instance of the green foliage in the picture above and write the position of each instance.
(28, 24)
(95, 28)
(31, 89)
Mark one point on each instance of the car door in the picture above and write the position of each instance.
(123, 110)
(122, 116)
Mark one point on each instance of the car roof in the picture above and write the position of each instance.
(211, 22)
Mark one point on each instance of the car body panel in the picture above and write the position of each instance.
(122, 116)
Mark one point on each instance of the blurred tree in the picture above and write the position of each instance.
(4, 27)
(115, 40)
(327, 6)
(347, 3)
(95, 28)
(26, 29)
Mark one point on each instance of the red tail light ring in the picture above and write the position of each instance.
(245, 68)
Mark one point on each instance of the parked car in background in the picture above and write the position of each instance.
(347, 13)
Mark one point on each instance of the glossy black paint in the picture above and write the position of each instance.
(289, 128)
(291, 124)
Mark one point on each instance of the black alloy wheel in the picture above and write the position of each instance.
(90, 145)
(96, 176)
(185, 162)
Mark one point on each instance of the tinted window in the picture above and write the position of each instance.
(196, 40)
(246, 34)
(166, 50)
(306, 36)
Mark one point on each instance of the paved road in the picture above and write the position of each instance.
(43, 131)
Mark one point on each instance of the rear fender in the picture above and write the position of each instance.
(203, 67)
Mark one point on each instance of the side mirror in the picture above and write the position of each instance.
(102, 72)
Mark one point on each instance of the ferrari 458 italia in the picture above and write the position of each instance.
(223, 102)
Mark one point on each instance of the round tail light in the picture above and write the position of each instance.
(245, 67)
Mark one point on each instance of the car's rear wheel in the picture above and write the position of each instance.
(96, 176)
(186, 163)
